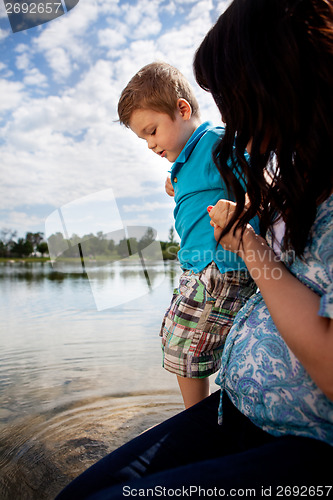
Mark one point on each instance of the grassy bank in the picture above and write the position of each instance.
(13, 260)
(99, 259)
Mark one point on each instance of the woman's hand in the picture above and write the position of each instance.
(169, 187)
(221, 214)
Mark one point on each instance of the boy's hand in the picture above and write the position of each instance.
(169, 187)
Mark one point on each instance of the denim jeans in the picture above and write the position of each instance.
(190, 455)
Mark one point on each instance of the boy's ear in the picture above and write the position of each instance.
(184, 107)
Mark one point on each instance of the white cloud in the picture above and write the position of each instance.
(4, 34)
(35, 78)
(63, 143)
(170, 8)
(62, 42)
(111, 7)
(21, 47)
(147, 207)
(201, 10)
(12, 92)
(111, 38)
(222, 5)
(54, 167)
(23, 61)
(59, 62)
(182, 2)
(3, 12)
(22, 221)
(32, 76)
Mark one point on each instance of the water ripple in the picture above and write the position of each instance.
(40, 454)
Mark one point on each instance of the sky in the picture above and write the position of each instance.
(60, 142)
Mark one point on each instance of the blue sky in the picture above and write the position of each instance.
(59, 86)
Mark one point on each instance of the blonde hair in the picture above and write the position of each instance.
(156, 86)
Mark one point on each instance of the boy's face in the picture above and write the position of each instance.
(164, 136)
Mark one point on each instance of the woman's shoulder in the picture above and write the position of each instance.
(322, 231)
(324, 215)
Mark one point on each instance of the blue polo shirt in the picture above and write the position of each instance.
(197, 184)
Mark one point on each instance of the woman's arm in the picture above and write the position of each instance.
(292, 305)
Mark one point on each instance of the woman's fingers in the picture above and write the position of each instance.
(169, 187)
(221, 212)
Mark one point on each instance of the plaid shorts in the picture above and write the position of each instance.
(200, 315)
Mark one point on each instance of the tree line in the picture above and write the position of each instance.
(10, 246)
(34, 244)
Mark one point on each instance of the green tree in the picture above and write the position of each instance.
(133, 245)
(147, 238)
(111, 246)
(127, 247)
(35, 239)
(102, 244)
(3, 249)
(172, 235)
(43, 248)
(95, 245)
(171, 247)
(57, 244)
(22, 248)
(7, 239)
(122, 248)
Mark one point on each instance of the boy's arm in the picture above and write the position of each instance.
(169, 188)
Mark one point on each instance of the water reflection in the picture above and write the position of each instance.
(43, 270)
(75, 382)
(42, 453)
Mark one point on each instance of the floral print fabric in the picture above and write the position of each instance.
(260, 373)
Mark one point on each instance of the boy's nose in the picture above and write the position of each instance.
(151, 144)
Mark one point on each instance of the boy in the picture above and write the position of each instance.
(159, 106)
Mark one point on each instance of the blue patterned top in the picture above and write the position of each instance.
(259, 372)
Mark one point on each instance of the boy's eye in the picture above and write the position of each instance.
(153, 132)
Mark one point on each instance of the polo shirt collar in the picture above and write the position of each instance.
(191, 143)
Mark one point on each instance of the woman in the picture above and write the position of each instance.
(269, 67)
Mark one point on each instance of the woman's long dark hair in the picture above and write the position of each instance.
(269, 67)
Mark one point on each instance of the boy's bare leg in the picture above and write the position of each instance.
(193, 389)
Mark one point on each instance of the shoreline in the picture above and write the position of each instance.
(99, 259)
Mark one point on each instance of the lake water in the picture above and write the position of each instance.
(76, 382)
